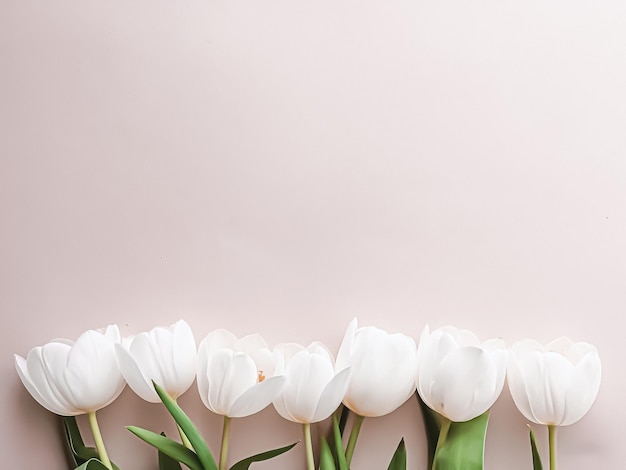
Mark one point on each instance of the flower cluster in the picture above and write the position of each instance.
(456, 376)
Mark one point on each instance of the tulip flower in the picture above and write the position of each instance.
(382, 377)
(166, 356)
(458, 376)
(72, 378)
(313, 390)
(236, 378)
(554, 385)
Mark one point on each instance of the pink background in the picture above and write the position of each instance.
(281, 166)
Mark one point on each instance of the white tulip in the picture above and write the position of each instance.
(166, 356)
(72, 378)
(458, 376)
(554, 385)
(382, 366)
(314, 388)
(236, 377)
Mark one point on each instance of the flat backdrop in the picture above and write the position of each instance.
(281, 166)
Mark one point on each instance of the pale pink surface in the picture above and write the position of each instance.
(282, 166)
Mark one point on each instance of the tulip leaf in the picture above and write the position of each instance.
(338, 453)
(190, 430)
(432, 425)
(92, 464)
(327, 460)
(245, 463)
(168, 447)
(398, 461)
(537, 465)
(166, 462)
(462, 445)
(79, 453)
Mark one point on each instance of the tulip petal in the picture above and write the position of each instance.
(202, 373)
(332, 396)
(48, 401)
(463, 386)
(135, 378)
(257, 397)
(383, 372)
(92, 374)
(230, 375)
(583, 388)
(45, 367)
(345, 350)
(184, 357)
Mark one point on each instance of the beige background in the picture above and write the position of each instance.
(281, 166)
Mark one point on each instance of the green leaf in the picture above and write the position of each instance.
(190, 430)
(166, 462)
(327, 461)
(462, 445)
(339, 455)
(92, 464)
(169, 447)
(245, 463)
(79, 453)
(432, 425)
(398, 461)
(537, 465)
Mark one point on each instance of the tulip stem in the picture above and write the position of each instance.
(443, 436)
(97, 437)
(354, 434)
(183, 438)
(225, 439)
(309, 446)
(552, 442)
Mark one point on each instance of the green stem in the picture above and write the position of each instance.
(443, 436)
(183, 438)
(225, 439)
(552, 441)
(97, 437)
(181, 433)
(310, 462)
(354, 434)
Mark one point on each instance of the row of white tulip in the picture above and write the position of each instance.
(374, 373)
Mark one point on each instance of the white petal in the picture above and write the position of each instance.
(184, 357)
(139, 383)
(202, 373)
(332, 396)
(92, 373)
(583, 388)
(257, 397)
(465, 385)
(307, 376)
(51, 405)
(344, 356)
(230, 375)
